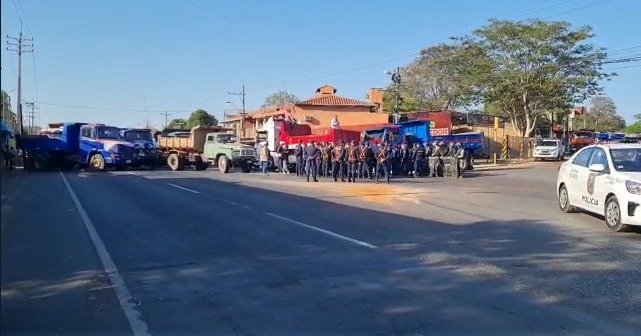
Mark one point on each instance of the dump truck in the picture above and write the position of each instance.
(203, 146)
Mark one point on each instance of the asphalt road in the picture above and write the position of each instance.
(201, 253)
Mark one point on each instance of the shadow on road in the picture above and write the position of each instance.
(215, 262)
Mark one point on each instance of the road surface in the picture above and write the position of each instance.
(194, 253)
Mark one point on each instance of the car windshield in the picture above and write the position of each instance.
(549, 144)
(584, 135)
(227, 138)
(626, 159)
(107, 133)
(138, 136)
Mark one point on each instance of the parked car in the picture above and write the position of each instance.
(605, 180)
(549, 149)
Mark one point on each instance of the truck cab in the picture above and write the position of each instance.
(144, 143)
(101, 146)
(225, 150)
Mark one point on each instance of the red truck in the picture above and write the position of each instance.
(581, 138)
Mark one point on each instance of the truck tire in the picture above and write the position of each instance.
(175, 162)
(224, 164)
(97, 162)
(200, 164)
(246, 168)
(41, 161)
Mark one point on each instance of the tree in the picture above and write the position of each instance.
(527, 69)
(178, 123)
(280, 98)
(602, 115)
(7, 113)
(200, 117)
(634, 128)
(434, 80)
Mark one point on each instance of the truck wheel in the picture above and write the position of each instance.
(246, 168)
(97, 162)
(200, 164)
(41, 161)
(174, 162)
(224, 164)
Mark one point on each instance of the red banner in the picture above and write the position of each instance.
(439, 131)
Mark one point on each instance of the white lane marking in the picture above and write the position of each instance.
(138, 326)
(358, 242)
(132, 173)
(246, 207)
(183, 188)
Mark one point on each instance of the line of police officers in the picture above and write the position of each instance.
(370, 161)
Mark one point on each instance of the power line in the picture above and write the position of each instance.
(404, 53)
(166, 114)
(119, 110)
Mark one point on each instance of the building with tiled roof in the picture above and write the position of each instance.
(317, 112)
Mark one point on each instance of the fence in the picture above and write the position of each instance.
(507, 148)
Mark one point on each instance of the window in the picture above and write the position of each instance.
(583, 157)
(599, 157)
(626, 159)
(86, 132)
(210, 138)
(549, 143)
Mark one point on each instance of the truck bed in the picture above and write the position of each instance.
(41, 143)
(194, 143)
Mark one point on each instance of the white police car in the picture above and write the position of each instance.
(606, 180)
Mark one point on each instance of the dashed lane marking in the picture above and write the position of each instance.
(330, 233)
(138, 326)
(183, 188)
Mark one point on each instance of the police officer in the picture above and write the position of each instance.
(352, 162)
(460, 160)
(383, 158)
(326, 161)
(419, 159)
(406, 159)
(319, 160)
(363, 163)
(311, 154)
(338, 162)
(298, 152)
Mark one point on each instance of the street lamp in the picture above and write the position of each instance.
(396, 79)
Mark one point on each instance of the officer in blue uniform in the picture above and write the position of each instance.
(311, 154)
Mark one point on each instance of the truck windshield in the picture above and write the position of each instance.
(626, 159)
(227, 138)
(138, 136)
(374, 135)
(107, 133)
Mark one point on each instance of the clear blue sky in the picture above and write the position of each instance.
(155, 55)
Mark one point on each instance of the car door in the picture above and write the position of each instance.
(597, 184)
(578, 175)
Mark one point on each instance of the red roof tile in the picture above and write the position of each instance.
(331, 100)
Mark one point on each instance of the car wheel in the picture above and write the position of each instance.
(564, 200)
(613, 214)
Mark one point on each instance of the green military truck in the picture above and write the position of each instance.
(203, 146)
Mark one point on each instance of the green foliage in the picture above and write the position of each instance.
(200, 117)
(7, 114)
(634, 128)
(280, 98)
(179, 123)
(530, 68)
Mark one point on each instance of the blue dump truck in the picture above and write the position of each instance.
(93, 146)
(414, 131)
(144, 142)
(419, 131)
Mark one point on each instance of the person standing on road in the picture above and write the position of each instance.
(363, 165)
(326, 160)
(405, 159)
(419, 160)
(298, 152)
(312, 153)
(460, 160)
(264, 157)
(338, 162)
(319, 159)
(383, 162)
(352, 162)
(283, 152)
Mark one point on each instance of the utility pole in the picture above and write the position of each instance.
(31, 114)
(20, 45)
(396, 79)
(242, 113)
(166, 114)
